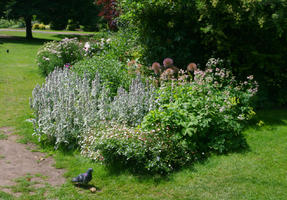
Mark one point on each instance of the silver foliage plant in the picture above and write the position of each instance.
(130, 107)
(66, 106)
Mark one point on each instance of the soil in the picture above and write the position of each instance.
(17, 160)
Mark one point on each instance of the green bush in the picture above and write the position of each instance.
(113, 73)
(39, 26)
(4, 23)
(191, 120)
(57, 54)
(72, 25)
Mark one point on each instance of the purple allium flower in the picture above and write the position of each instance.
(191, 67)
(156, 67)
(167, 62)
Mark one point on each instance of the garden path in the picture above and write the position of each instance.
(19, 160)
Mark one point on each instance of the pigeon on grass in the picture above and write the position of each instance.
(83, 178)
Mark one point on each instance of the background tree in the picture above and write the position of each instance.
(56, 12)
(16, 9)
(60, 12)
(109, 11)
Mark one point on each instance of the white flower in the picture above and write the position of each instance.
(87, 45)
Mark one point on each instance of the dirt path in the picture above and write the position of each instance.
(17, 160)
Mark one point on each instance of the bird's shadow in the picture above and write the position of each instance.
(87, 186)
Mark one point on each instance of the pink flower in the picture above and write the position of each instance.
(250, 77)
(191, 67)
(167, 62)
(156, 67)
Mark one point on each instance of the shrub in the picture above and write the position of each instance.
(112, 72)
(4, 23)
(192, 119)
(114, 143)
(39, 26)
(57, 54)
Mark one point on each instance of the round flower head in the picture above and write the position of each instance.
(156, 67)
(191, 67)
(167, 62)
(167, 74)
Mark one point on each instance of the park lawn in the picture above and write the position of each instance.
(259, 172)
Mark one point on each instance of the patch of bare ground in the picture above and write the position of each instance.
(18, 160)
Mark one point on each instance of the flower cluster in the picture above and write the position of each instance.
(58, 54)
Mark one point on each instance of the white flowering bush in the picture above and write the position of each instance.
(133, 147)
(58, 53)
(65, 107)
(96, 47)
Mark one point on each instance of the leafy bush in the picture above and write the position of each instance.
(57, 54)
(112, 72)
(39, 26)
(4, 23)
(191, 119)
(115, 143)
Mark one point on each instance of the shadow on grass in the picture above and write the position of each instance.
(87, 186)
(274, 117)
(22, 40)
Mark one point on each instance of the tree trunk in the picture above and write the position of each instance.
(28, 22)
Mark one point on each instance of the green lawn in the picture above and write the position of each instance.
(260, 172)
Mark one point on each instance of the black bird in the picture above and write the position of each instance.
(7, 50)
(83, 178)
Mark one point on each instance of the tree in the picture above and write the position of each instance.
(56, 12)
(16, 9)
(109, 11)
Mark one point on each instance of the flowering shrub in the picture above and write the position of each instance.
(56, 54)
(96, 47)
(138, 149)
(191, 119)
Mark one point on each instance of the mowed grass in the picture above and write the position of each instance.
(259, 172)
